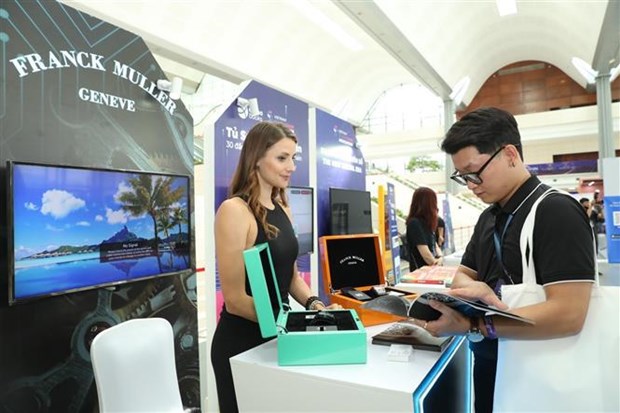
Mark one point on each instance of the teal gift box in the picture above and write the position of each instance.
(302, 337)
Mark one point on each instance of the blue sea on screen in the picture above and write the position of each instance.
(43, 276)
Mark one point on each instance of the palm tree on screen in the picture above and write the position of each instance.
(152, 196)
(165, 223)
(179, 218)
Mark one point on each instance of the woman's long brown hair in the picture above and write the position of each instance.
(245, 182)
(424, 207)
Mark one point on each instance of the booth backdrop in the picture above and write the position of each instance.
(51, 112)
(339, 164)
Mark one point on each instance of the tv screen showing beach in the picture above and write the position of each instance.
(76, 228)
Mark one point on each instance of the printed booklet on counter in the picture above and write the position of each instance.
(436, 274)
(405, 332)
(421, 310)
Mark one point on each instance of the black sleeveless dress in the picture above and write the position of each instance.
(234, 334)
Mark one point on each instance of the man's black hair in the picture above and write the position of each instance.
(485, 128)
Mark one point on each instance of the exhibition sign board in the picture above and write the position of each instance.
(394, 245)
(339, 164)
(80, 92)
(612, 227)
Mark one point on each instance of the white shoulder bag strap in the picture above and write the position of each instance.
(527, 241)
(578, 373)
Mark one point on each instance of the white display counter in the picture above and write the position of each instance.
(421, 288)
(430, 381)
(454, 259)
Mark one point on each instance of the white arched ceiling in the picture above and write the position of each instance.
(465, 38)
(434, 42)
(270, 41)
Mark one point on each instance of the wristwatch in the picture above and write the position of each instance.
(474, 334)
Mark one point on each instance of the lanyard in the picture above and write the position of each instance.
(498, 240)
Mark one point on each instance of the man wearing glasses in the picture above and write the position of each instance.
(485, 146)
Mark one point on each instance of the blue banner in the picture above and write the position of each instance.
(448, 233)
(393, 232)
(612, 227)
(340, 164)
(568, 167)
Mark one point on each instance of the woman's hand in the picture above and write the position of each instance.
(319, 306)
(332, 307)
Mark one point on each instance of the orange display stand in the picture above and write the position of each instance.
(355, 261)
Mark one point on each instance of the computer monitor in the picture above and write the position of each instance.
(350, 211)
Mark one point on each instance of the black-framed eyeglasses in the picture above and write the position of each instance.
(474, 177)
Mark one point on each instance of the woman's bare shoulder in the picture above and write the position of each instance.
(234, 207)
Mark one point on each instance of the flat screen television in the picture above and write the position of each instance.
(301, 201)
(74, 228)
(350, 211)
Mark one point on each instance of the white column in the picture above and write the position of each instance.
(448, 115)
(605, 123)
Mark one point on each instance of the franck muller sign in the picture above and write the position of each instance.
(33, 63)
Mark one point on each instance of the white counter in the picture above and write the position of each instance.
(421, 288)
(454, 259)
(379, 385)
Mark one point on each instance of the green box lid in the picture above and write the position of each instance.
(264, 285)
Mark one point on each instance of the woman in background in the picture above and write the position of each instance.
(440, 233)
(256, 212)
(421, 227)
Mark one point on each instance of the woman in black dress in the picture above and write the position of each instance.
(421, 227)
(256, 211)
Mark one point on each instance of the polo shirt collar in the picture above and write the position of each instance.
(524, 190)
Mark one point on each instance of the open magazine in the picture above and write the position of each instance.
(421, 310)
(405, 332)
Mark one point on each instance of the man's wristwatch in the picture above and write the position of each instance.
(474, 334)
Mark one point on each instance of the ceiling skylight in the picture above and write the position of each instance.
(459, 90)
(327, 24)
(506, 7)
(585, 69)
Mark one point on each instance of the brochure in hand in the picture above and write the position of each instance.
(405, 332)
(421, 310)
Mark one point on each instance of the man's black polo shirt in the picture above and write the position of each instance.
(563, 249)
(562, 239)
